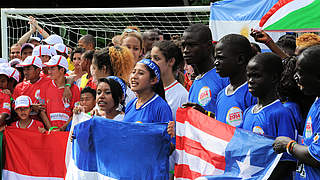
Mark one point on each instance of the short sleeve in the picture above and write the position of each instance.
(5, 104)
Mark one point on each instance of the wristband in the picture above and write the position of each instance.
(269, 39)
(291, 149)
(67, 85)
(41, 30)
(289, 146)
(54, 127)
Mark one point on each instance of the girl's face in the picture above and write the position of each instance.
(104, 97)
(259, 82)
(160, 60)
(134, 45)
(3, 81)
(23, 112)
(97, 73)
(76, 60)
(140, 78)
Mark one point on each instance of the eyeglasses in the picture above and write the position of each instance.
(130, 30)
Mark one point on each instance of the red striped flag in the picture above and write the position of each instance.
(32, 155)
(200, 144)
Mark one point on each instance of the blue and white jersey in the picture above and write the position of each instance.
(272, 120)
(153, 111)
(311, 135)
(295, 110)
(230, 107)
(205, 89)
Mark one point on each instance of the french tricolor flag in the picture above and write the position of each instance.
(207, 147)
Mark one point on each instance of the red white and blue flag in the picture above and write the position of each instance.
(207, 147)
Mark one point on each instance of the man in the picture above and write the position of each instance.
(197, 51)
(26, 50)
(44, 52)
(87, 42)
(149, 37)
(15, 51)
(58, 110)
(85, 63)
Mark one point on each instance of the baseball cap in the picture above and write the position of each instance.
(53, 39)
(42, 50)
(22, 101)
(32, 60)
(14, 62)
(26, 45)
(2, 60)
(61, 48)
(10, 72)
(35, 39)
(57, 60)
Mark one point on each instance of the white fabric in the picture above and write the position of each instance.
(10, 175)
(41, 50)
(175, 97)
(61, 48)
(22, 101)
(119, 117)
(129, 96)
(57, 60)
(53, 39)
(32, 60)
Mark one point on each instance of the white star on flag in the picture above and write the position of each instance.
(247, 170)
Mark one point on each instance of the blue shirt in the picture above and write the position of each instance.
(205, 89)
(296, 113)
(154, 110)
(272, 120)
(311, 135)
(230, 108)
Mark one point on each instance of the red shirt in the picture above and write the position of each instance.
(59, 112)
(5, 106)
(33, 125)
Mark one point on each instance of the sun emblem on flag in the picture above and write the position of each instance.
(245, 31)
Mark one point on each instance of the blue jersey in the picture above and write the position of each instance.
(153, 111)
(296, 113)
(205, 89)
(311, 135)
(230, 108)
(272, 120)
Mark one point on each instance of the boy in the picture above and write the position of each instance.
(269, 117)
(88, 99)
(5, 104)
(23, 109)
(58, 110)
(232, 54)
(197, 51)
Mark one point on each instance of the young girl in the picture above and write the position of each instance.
(149, 106)
(168, 57)
(23, 109)
(110, 97)
(132, 39)
(76, 59)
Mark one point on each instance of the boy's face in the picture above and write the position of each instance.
(87, 101)
(306, 77)
(3, 81)
(25, 53)
(259, 82)
(194, 50)
(23, 112)
(30, 72)
(55, 73)
(225, 61)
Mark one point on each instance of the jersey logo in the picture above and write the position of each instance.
(37, 94)
(308, 131)
(6, 106)
(234, 116)
(204, 96)
(258, 130)
(138, 122)
(59, 117)
(316, 138)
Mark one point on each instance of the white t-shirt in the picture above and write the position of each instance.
(176, 95)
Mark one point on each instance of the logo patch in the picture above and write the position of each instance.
(258, 130)
(204, 96)
(308, 131)
(7, 106)
(234, 116)
(59, 117)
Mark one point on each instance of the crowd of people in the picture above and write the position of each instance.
(140, 77)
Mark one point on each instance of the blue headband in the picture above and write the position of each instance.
(152, 66)
(121, 82)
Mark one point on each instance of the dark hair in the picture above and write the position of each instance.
(88, 55)
(202, 30)
(101, 58)
(88, 39)
(117, 94)
(239, 44)
(77, 50)
(287, 43)
(255, 48)
(145, 34)
(89, 90)
(65, 71)
(170, 50)
(158, 87)
(271, 63)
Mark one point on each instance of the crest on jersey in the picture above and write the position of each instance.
(234, 116)
(258, 130)
(308, 130)
(204, 96)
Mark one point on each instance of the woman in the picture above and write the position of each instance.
(168, 57)
(113, 61)
(76, 59)
(132, 39)
(149, 106)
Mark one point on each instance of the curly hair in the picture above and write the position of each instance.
(307, 40)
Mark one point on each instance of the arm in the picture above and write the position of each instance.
(45, 119)
(34, 23)
(64, 127)
(67, 94)
(263, 37)
(27, 35)
(3, 117)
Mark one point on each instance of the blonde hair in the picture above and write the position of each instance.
(307, 40)
(122, 61)
(137, 35)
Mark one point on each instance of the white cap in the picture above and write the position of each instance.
(32, 60)
(57, 60)
(61, 48)
(53, 39)
(2, 60)
(14, 62)
(4, 65)
(35, 38)
(41, 51)
(10, 72)
(22, 101)
(52, 50)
